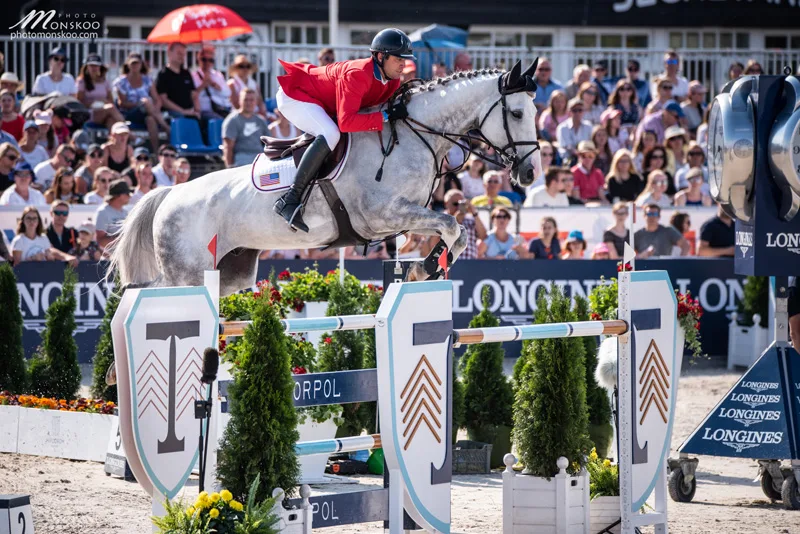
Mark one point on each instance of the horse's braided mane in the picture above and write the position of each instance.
(418, 85)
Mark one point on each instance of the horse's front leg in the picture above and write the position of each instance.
(423, 221)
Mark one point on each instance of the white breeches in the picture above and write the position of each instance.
(310, 118)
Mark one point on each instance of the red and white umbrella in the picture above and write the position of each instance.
(198, 23)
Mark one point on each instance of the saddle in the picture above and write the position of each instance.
(276, 149)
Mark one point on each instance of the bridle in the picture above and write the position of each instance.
(507, 155)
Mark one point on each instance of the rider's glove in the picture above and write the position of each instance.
(396, 112)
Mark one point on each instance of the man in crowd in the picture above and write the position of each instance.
(45, 172)
(599, 74)
(60, 235)
(658, 122)
(9, 154)
(492, 181)
(642, 88)
(242, 131)
(717, 236)
(551, 194)
(545, 85)
(573, 130)
(656, 240)
(457, 205)
(22, 193)
(672, 65)
(462, 62)
(175, 85)
(165, 170)
(110, 215)
(580, 74)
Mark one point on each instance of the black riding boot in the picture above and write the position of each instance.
(290, 204)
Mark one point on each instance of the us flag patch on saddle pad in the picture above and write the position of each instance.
(269, 176)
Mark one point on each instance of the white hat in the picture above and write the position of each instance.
(10, 77)
(86, 226)
(120, 127)
(43, 117)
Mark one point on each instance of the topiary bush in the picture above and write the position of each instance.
(754, 301)
(54, 370)
(550, 412)
(262, 431)
(104, 351)
(13, 377)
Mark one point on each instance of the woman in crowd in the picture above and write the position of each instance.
(617, 135)
(47, 138)
(546, 246)
(103, 177)
(21, 193)
(592, 107)
(625, 99)
(694, 196)
(55, 79)
(282, 128)
(63, 188)
(622, 182)
(574, 247)
(240, 76)
(472, 177)
(183, 170)
(59, 127)
(555, 113)
(681, 222)
(30, 149)
(600, 252)
(500, 243)
(94, 91)
(655, 192)
(547, 153)
(695, 158)
(646, 142)
(84, 175)
(145, 182)
(31, 244)
(656, 159)
(675, 141)
(753, 68)
(604, 152)
(735, 70)
(138, 100)
(617, 234)
(117, 153)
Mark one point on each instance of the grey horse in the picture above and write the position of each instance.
(164, 239)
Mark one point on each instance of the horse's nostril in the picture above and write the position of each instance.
(530, 174)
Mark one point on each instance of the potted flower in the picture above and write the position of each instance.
(550, 431)
(748, 335)
(604, 492)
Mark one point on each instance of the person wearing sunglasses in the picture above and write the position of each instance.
(61, 236)
(663, 96)
(9, 155)
(21, 193)
(45, 172)
(55, 79)
(165, 170)
(694, 107)
(658, 122)
(492, 183)
(84, 174)
(94, 91)
(103, 177)
(655, 192)
(545, 84)
(656, 240)
(633, 71)
(625, 99)
(696, 158)
(213, 93)
(63, 188)
(29, 147)
(240, 76)
(694, 195)
(551, 194)
(500, 244)
(573, 130)
(137, 98)
(589, 93)
(30, 243)
(600, 79)
(672, 67)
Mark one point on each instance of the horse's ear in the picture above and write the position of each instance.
(530, 71)
(513, 75)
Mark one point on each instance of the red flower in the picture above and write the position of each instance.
(284, 275)
(328, 340)
(257, 295)
(595, 316)
(222, 345)
(621, 267)
(332, 272)
(697, 325)
(299, 370)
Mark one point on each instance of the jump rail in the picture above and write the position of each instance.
(334, 446)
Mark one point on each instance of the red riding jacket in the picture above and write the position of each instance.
(341, 89)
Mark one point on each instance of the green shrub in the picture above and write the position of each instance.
(262, 431)
(12, 355)
(754, 301)
(54, 369)
(104, 352)
(550, 413)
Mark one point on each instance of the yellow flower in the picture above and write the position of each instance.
(593, 455)
(215, 497)
(190, 511)
(606, 463)
(236, 505)
(201, 502)
(226, 495)
(214, 513)
(203, 495)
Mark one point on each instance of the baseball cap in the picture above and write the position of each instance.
(674, 131)
(93, 59)
(697, 87)
(120, 127)
(141, 151)
(23, 165)
(58, 51)
(586, 146)
(600, 248)
(86, 226)
(118, 187)
(81, 140)
(30, 124)
(609, 113)
(674, 107)
(43, 117)
(575, 235)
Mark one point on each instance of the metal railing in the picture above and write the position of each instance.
(29, 58)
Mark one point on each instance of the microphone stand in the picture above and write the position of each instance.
(202, 412)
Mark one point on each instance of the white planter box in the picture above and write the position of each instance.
(746, 343)
(311, 309)
(534, 505)
(604, 511)
(9, 428)
(70, 435)
(312, 467)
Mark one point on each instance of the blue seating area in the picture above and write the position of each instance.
(215, 133)
(186, 137)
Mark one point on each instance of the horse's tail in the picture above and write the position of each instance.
(132, 253)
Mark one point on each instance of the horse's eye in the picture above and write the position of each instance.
(516, 114)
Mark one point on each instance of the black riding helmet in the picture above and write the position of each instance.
(393, 42)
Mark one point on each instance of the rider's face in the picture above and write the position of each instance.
(393, 67)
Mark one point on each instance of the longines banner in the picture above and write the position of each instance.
(514, 286)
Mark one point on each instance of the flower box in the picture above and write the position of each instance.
(603, 512)
(9, 428)
(534, 504)
(312, 467)
(746, 343)
(62, 434)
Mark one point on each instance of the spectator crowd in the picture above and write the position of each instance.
(622, 142)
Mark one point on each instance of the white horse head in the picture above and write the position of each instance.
(510, 123)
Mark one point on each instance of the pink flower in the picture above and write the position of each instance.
(328, 340)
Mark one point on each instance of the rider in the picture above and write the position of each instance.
(309, 96)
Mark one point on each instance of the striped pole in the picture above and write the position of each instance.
(312, 324)
(471, 336)
(332, 446)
